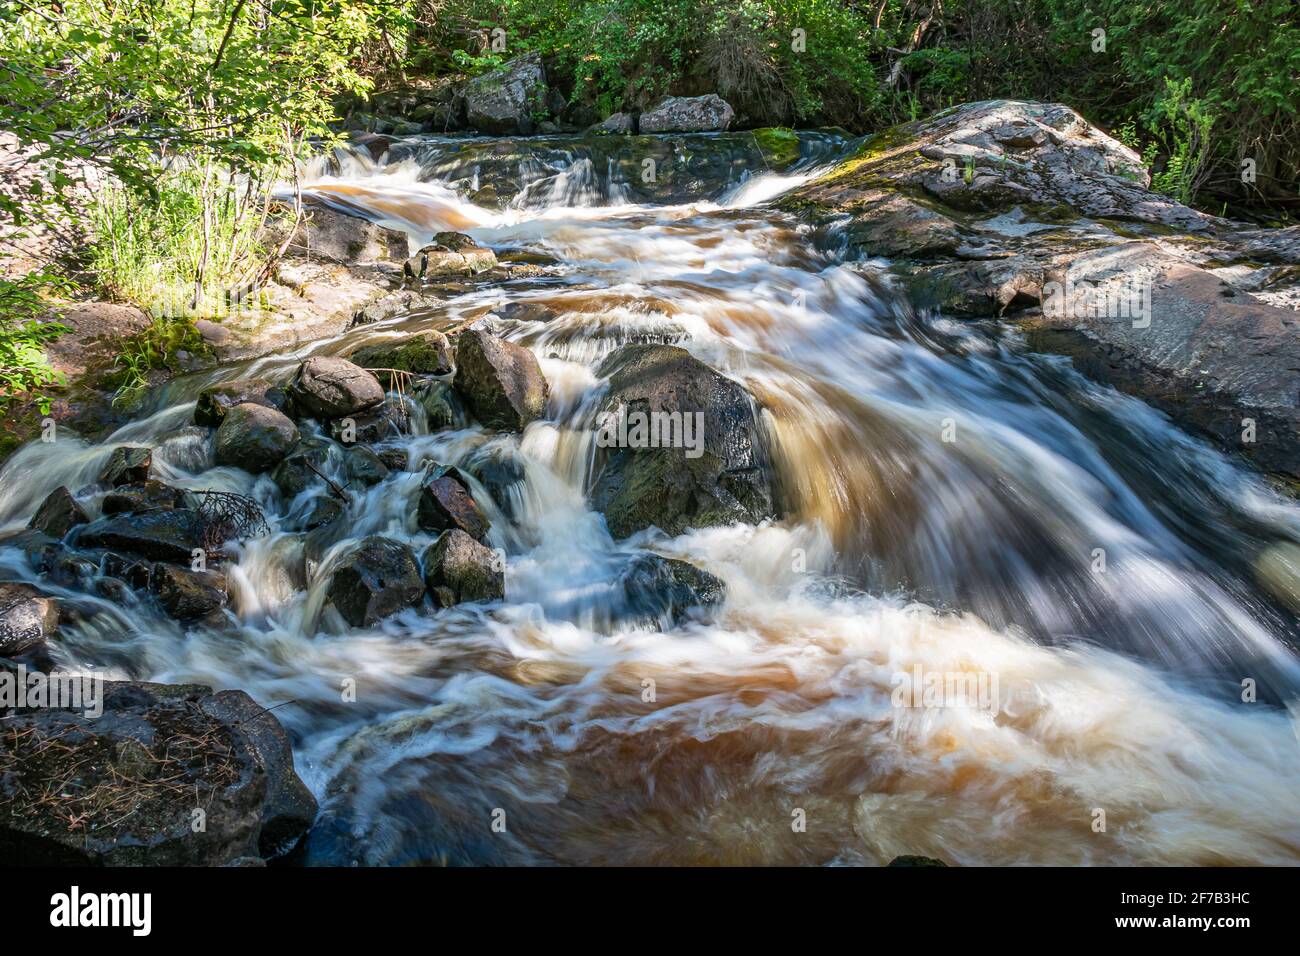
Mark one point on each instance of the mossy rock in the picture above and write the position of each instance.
(427, 354)
(779, 145)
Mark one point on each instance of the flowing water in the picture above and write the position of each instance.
(950, 497)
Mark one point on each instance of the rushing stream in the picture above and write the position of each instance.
(949, 497)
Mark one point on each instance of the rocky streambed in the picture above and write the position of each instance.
(421, 537)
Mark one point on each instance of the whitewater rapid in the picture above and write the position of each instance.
(948, 493)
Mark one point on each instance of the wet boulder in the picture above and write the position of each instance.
(327, 388)
(187, 595)
(426, 354)
(503, 102)
(688, 114)
(289, 809)
(39, 549)
(500, 382)
(445, 503)
(321, 512)
(255, 437)
(133, 571)
(304, 467)
(135, 773)
(157, 535)
(503, 475)
(711, 466)
(363, 466)
(71, 569)
(442, 407)
(394, 457)
(213, 403)
(127, 464)
(27, 618)
(379, 578)
(664, 592)
(142, 496)
(58, 514)
(374, 425)
(458, 569)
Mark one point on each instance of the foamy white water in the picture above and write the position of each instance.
(1116, 690)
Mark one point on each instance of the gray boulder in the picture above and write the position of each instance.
(688, 114)
(500, 382)
(379, 578)
(127, 464)
(503, 102)
(724, 476)
(58, 514)
(458, 569)
(213, 403)
(255, 437)
(437, 261)
(623, 124)
(327, 387)
(135, 774)
(337, 236)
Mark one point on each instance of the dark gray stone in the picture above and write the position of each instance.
(377, 579)
(500, 382)
(458, 569)
(58, 514)
(255, 437)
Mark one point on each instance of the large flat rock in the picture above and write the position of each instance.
(1003, 206)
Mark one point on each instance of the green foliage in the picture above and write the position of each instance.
(940, 75)
(627, 54)
(182, 114)
(1184, 124)
(147, 250)
(23, 333)
(1212, 82)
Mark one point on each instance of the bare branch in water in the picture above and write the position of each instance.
(229, 515)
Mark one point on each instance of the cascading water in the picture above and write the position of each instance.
(947, 494)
